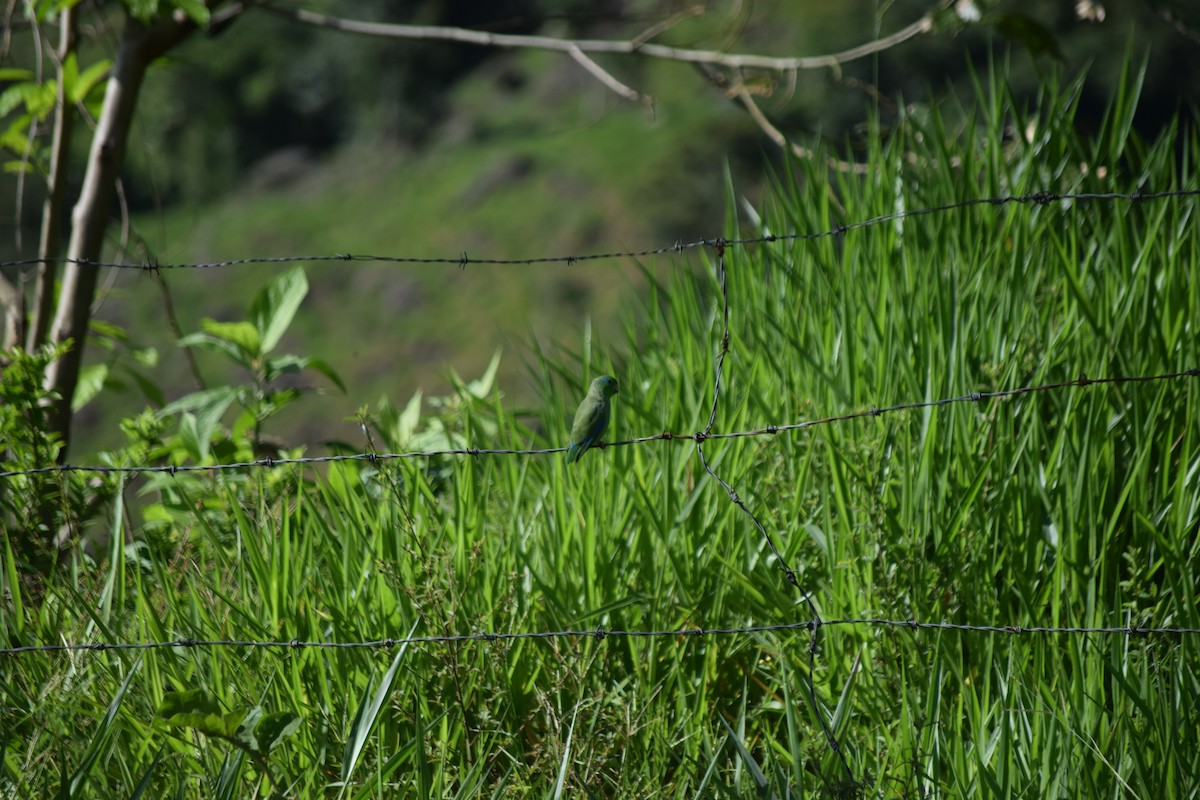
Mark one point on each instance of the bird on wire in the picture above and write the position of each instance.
(592, 417)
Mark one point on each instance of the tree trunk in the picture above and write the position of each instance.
(56, 197)
(140, 45)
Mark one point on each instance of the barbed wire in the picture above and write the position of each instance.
(699, 436)
(601, 634)
(1041, 198)
(718, 245)
(789, 573)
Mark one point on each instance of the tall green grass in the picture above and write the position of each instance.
(1075, 507)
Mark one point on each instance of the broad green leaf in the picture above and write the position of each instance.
(189, 436)
(323, 367)
(283, 366)
(277, 399)
(409, 419)
(244, 422)
(208, 407)
(244, 732)
(200, 400)
(291, 364)
(189, 701)
(207, 342)
(16, 136)
(45, 8)
(209, 416)
(208, 724)
(37, 98)
(70, 68)
(82, 86)
(114, 383)
(480, 387)
(146, 356)
(15, 167)
(274, 728)
(91, 381)
(275, 306)
(13, 97)
(94, 103)
(99, 327)
(233, 721)
(242, 334)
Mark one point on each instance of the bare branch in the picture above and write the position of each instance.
(632, 47)
(222, 18)
(10, 14)
(1179, 26)
(775, 135)
(605, 77)
(56, 197)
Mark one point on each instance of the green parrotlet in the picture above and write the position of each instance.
(592, 417)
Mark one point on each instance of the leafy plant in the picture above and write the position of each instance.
(29, 102)
(125, 365)
(197, 418)
(33, 507)
(250, 730)
(1073, 507)
(249, 344)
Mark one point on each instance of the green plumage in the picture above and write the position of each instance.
(592, 417)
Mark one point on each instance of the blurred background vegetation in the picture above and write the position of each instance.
(271, 138)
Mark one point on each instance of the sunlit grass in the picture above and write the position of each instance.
(1077, 507)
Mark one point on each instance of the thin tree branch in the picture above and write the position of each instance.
(1179, 26)
(775, 135)
(605, 77)
(712, 57)
(173, 321)
(10, 14)
(222, 18)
